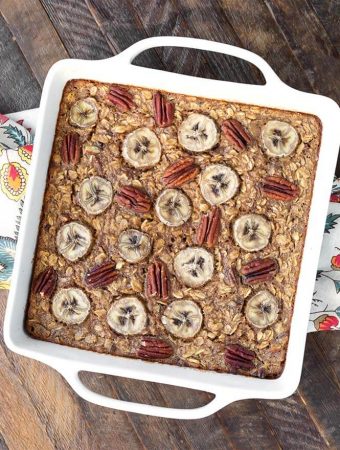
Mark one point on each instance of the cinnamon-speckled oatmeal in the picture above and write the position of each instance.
(173, 228)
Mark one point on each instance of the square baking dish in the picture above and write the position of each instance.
(70, 361)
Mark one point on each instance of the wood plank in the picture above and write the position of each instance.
(122, 28)
(329, 343)
(110, 425)
(191, 434)
(19, 87)
(328, 12)
(310, 44)
(35, 35)
(197, 431)
(258, 32)
(290, 421)
(217, 28)
(154, 432)
(3, 445)
(161, 18)
(247, 426)
(77, 29)
(20, 424)
(320, 390)
(166, 18)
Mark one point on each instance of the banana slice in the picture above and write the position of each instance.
(133, 245)
(218, 183)
(84, 113)
(262, 309)
(279, 138)
(252, 232)
(71, 306)
(142, 149)
(183, 318)
(127, 316)
(95, 195)
(198, 133)
(73, 241)
(194, 266)
(173, 208)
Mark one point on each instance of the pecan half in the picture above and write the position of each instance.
(101, 275)
(259, 271)
(121, 98)
(157, 281)
(239, 357)
(135, 199)
(163, 110)
(278, 188)
(231, 276)
(45, 283)
(236, 134)
(209, 228)
(154, 348)
(71, 149)
(180, 172)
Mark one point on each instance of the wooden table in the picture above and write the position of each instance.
(300, 39)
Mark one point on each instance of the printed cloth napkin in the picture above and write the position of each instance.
(325, 312)
(15, 156)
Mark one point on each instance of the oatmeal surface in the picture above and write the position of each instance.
(223, 299)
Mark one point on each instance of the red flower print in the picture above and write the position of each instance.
(335, 262)
(335, 198)
(326, 322)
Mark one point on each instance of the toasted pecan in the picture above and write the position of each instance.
(45, 283)
(71, 149)
(157, 280)
(163, 110)
(134, 199)
(209, 228)
(180, 172)
(236, 134)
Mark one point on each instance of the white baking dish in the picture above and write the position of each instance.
(70, 361)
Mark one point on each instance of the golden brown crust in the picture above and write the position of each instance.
(222, 302)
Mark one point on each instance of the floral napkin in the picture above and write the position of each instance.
(325, 312)
(15, 157)
(16, 139)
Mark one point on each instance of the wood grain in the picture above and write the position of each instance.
(162, 19)
(299, 38)
(320, 390)
(117, 28)
(248, 427)
(292, 424)
(77, 29)
(303, 32)
(19, 88)
(37, 38)
(256, 28)
(217, 29)
(328, 12)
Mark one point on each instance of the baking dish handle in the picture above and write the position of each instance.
(128, 55)
(220, 400)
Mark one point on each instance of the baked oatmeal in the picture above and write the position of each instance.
(173, 228)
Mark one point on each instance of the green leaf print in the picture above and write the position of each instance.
(337, 286)
(331, 222)
(15, 134)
